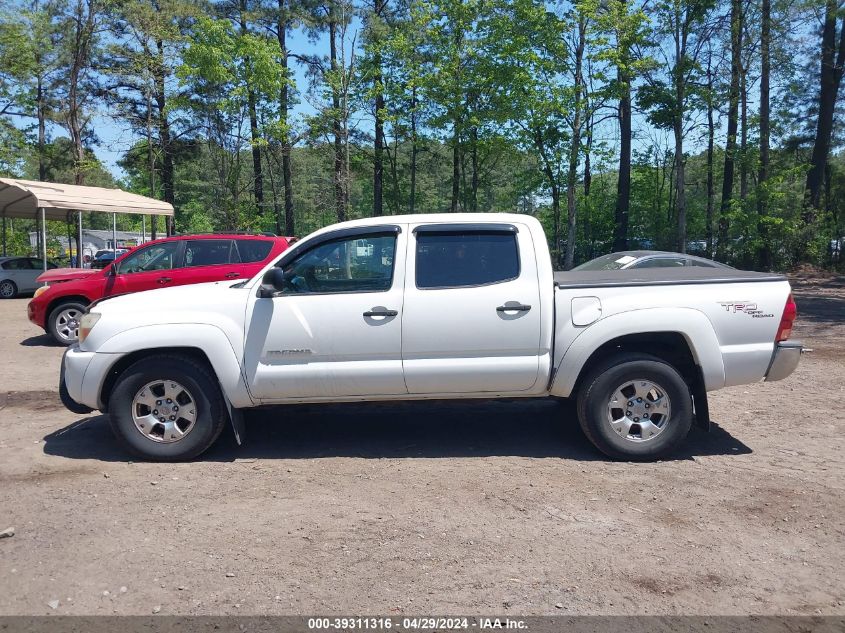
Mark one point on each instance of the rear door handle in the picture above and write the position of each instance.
(381, 313)
(164, 280)
(514, 308)
(232, 275)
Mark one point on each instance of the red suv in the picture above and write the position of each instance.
(173, 261)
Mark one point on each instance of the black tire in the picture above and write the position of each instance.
(197, 378)
(8, 289)
(56, 329)
(602, 382)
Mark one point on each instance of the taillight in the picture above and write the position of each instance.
(790, 313)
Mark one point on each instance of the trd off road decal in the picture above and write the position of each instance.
(745, 307)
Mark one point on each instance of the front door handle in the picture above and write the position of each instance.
(232, 275)
(514, 308)
(381, 313)
(164, 280)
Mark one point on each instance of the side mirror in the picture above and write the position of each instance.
(273, 281)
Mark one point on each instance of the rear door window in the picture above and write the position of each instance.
(250, 251)
(207, 252)
(462, 259)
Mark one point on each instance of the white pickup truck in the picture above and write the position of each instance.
(430, 307)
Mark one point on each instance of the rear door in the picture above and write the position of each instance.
(208, 260)
(471, 320)
(249, 256)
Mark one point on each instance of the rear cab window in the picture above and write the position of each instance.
(463, 257)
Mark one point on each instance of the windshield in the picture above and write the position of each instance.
(614, 261)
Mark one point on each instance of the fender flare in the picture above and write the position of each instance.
(692, 324)
(208, 339)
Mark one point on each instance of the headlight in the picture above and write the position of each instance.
(40, 290)
(86, 324)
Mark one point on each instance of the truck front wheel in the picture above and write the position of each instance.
(635, 406)
(167, 408)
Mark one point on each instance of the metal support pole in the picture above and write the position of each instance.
(81, 248)
(114, 234)
(68, 224)
(4, 236)
(143, 229)
(44, 238)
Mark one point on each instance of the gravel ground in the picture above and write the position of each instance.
(482, 507)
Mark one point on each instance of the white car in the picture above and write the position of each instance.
(430, 307)
(18, 275)
(629, 260)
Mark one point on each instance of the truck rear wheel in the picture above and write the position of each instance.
(167, 408)
(635, 407)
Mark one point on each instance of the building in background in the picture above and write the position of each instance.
(93, 240)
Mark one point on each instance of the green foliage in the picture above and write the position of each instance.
(479, 107)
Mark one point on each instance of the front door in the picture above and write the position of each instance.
(336, 329)
(147, 268)
(472, 313)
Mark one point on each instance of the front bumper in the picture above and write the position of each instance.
(64, 394)
(81, 377)
(35, 313)
(785, 359)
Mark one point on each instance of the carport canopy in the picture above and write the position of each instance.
(36, 200)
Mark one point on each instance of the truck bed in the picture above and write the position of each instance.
(658, 277)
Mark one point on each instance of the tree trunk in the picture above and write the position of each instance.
(284, 99)
(255, 137)
(42, 129)
(680, 187)
(586, 221)
(473, 200)
(151, 162)
(167, 169)
(743, 142)
(730, 143)
(456, 168)
(258, 174)
(554, 187)
(623, 184)
(764, 260)
(339, 196)
(412, 202)
(378, 146)
(831, 74)
(395, 188)
(80, 51)
(711, 133)
(575, 147)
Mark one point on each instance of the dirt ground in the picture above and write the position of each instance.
(431, 508)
